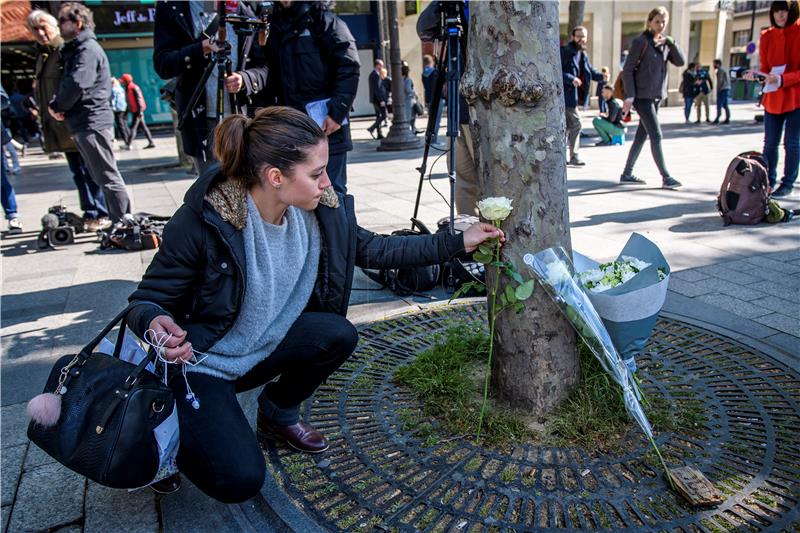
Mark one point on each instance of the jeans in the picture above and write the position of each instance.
(218, 448)
(95, 148)
(7, 197)
(337, 171)
(722, 103)
(687, 106)
(648, 127)
(773, 127)
(11, 152)
(573, 131)
(92, 199)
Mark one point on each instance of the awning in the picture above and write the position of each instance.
(12, 21)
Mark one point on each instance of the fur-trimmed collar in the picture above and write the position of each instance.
(229, 199)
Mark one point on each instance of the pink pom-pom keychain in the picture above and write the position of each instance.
(45, 409)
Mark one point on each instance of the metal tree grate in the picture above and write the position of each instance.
(378, 477)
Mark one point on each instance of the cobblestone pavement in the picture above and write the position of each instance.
(54, 301)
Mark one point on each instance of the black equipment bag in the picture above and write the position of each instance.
(109, 409)
(408, 280)
(464, 268)
(141, 231)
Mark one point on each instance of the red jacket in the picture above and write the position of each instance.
(781, 46)
(135, 98)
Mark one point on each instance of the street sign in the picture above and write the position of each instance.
(751, 48)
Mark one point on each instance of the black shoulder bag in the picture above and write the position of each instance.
(108, 410)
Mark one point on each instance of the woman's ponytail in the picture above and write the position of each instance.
(229, 146)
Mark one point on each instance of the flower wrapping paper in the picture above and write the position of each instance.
(630, 310)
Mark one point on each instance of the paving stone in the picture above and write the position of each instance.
(11, 459)
(690, 275)
(69, 529)
(734, 276)
(788, 255)
(779, 305)
(734, 305)
(780, 290)
(36, 458)
(15, 425)
(790, 343)
(713, 285)
(780, 266)
(687, 288)
(119, 510)
(781, 322)
(6, 512)
(48, 497)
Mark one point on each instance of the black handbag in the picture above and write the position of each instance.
(109, 409)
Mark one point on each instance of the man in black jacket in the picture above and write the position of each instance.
(83, 99)
(182, 50)
(578, 73)
(313, 59)
(378, 98)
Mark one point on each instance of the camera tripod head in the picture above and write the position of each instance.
(242, 24)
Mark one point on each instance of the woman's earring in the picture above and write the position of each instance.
(277, 186)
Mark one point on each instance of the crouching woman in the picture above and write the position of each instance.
(252, 281)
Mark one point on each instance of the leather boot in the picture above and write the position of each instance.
(300, 436)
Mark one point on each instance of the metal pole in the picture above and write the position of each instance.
(400, 136)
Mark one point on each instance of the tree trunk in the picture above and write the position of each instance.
(513, 85)
(576, 8)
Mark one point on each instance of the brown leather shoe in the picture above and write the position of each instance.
(300, 436)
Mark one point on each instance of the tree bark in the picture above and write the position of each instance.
(576, 8)
(514, 86)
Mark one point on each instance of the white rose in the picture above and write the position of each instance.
(557, 273)
(495, 209)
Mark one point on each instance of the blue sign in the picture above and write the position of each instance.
(751, 48)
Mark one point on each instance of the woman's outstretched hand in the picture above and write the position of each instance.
(479, 232)
(176, 349)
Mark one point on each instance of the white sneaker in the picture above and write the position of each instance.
(14, 226)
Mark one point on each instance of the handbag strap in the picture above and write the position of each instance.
(89, 348)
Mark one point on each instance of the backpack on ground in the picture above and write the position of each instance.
(464, 269)
(744, 193)
(140, 231)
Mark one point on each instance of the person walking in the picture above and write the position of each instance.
(119, 106)
(56, 136)
(378, 98)
(411, 103)
(689, 88)
(779, 55)
(83, 99)
(430, 75)
(313, 59)
(253, 277)
(645, 86)
(704, 86)
(577, 72)
(723, 91)
(136, 107)
(7, 197)
(609, 124)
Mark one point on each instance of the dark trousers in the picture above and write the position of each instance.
(380, 116)
(573, 130)
(773, 128)
(92, 199)
(688, 101)
(98, 154)
(121, 131)
(218, 449)
(648, 127)
(337, 171)
(138, 119)
(722, 103)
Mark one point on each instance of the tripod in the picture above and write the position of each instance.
(449, 68)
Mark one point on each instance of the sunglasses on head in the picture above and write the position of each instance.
(64, 19)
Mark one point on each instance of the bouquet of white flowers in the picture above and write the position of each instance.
(628, 293)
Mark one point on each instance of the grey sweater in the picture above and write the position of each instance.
(645, 71)
(281, 269)
(723, 79)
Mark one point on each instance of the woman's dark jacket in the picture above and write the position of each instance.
(177, 53)
(647, 77)
(688, 87)
(313, 56)
(47, 73)
(198, 275)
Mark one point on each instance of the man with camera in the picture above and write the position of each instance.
(313, 64)
(83, 99)
(184, 42)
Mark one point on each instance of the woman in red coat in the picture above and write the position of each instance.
(780, 61)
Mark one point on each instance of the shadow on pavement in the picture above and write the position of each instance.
(644, 215)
